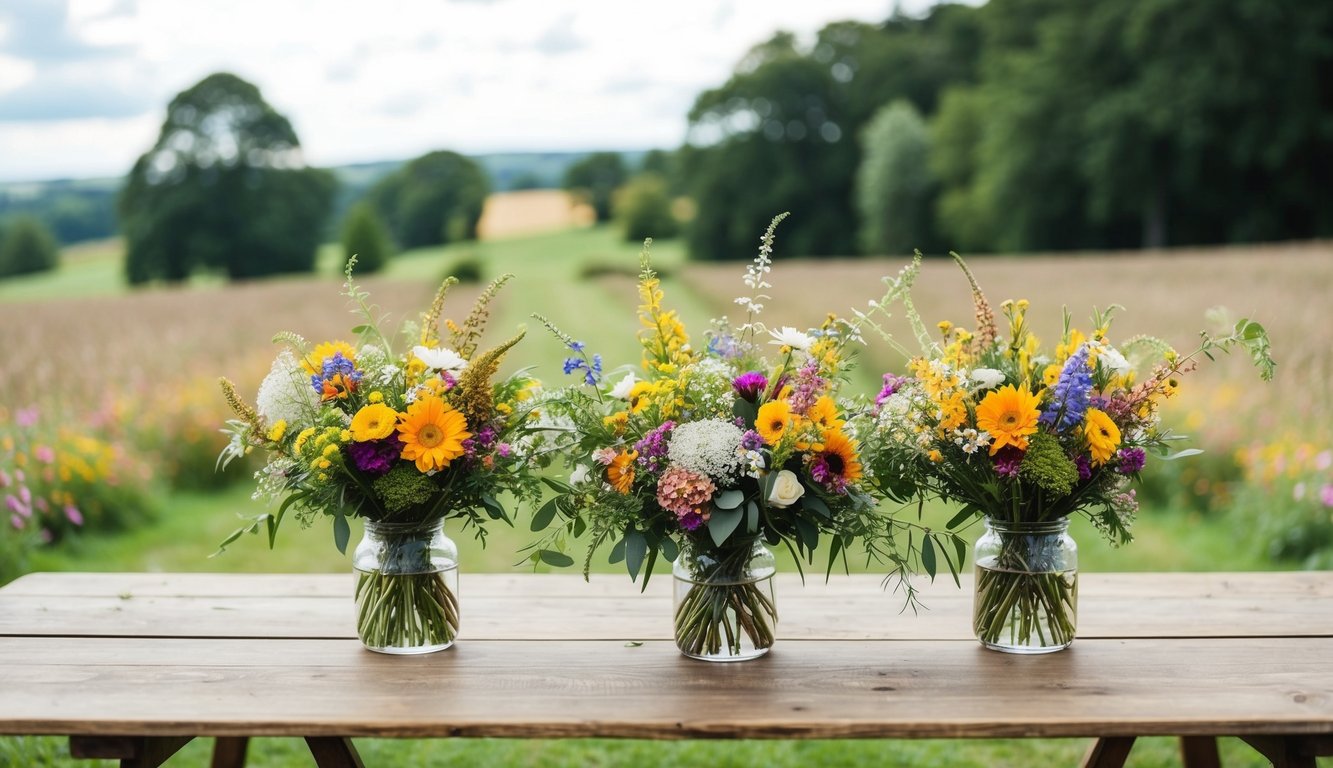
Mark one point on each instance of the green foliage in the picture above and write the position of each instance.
(468, 269)
(27, 247)
(894, 184)
(597, 177)
(224, 188)
(643, 209)
(365, 237)
(435, 199)
(781, 133)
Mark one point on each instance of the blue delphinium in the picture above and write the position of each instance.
(333, 366)
(592, 369)
(1069, 401)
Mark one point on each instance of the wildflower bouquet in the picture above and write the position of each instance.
(714, 453)
(401, 440)
(1027, 438)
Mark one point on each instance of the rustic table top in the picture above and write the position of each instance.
(553, 656)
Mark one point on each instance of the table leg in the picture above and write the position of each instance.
(1285, 751)
(131, 751)
(1108, 752)
(1199, 752)
(334, 752)
(229, 751)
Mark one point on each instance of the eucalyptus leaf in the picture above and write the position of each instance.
(928, 556)
(636, 548)
(722, 522)
(751, 517)
(342, 532)
(557, 559)
(729, 499)
(808, 532)
(544, 516)
(617, 552)
(816, 504)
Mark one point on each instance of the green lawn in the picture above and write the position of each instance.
(599, 309)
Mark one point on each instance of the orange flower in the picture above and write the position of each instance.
(1009, 414)
(773, 420)
(432, 433)
(620, 473)
(824, 413)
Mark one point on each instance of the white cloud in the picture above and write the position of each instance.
(400, 77)
(15, 73)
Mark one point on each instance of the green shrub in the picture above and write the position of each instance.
(894, 184)
(27, 247)
(467, 269)
(365, 237)
(643, 209)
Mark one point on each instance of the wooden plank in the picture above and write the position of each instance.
(563, 607)
(1282, 752)
(1108, 752)
(230, 752)
(334, 752)
(827, 689)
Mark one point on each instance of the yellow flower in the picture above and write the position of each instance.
(375, 397)
(303, 437)
(1051, 374)
(617, 421)
(640, 396)
(314, 362)
(345, 436)
(504, 408)
(432, 432)
(1009, 414)
(839, 455)
(323, 464)
(278, 429)
(620, 473)
(773, 420)
(329, 450)
(374, 422)
(935, 456)
(1102, 434)
(824, 413)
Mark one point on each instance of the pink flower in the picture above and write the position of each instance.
(16, 521)
(604, 456)
(26, 417)
(685, 493)
(73, 514)
(44, 454)
(1326, 494)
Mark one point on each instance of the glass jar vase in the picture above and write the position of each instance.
(725, 607)
(1026, 598)
(406, 588)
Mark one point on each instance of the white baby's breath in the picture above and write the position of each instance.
(286, 393)
(709, 447)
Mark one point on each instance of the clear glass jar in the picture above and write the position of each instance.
(406, 588)
(725, 607)
(1026, 598)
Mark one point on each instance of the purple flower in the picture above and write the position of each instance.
(892, 384)
(1326, 494)
(1084, 467)
(809, 384)
(750, 385)
(376, 457)
(653, 447)
(503, 450)
(16, 521)
(1131, 460)
(751, 440)
(73, 515)
(1007, 461)
(691, 520)
(1069, 399)
(335, 365)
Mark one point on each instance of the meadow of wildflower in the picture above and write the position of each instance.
(109, 414)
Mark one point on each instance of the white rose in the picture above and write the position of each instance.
(987, 378)
(579, 475)
(440, 359)
(790, 337)
(786, 490)
(623, 387)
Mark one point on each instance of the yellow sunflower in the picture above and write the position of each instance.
(773, 420)
(374, 422)
(313, 363)
(640, 396)
(620, 473)
(1102, 434)
(432, 433)
(1009, 414)
(838, 460)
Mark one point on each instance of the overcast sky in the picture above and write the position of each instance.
(84, 83)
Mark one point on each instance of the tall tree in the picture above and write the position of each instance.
(597, 177)
(365, 237)
(435, 199)
(895, 188)
(225, 187)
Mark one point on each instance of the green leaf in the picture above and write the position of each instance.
(960, 518)
(928, 555)
(669, 549)
(636, 548)
(722, 523)
(729, 499)
(557, 559)
(493, 507)
(544, 516)
(1182, 454)
(808, 532)
(579, 527)
(817, 505)
(556, 486)
(745, 410)
(752, 517)
(342, 532)
(960, 546)
(617, 552)
(360, 329)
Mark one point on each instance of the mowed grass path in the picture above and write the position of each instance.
(84, 317)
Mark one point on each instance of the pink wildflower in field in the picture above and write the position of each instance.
(26, 417)
(1326, 494)
(73, 514)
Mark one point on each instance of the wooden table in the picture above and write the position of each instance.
(134, 665)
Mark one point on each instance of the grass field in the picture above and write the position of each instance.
(78, 336)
